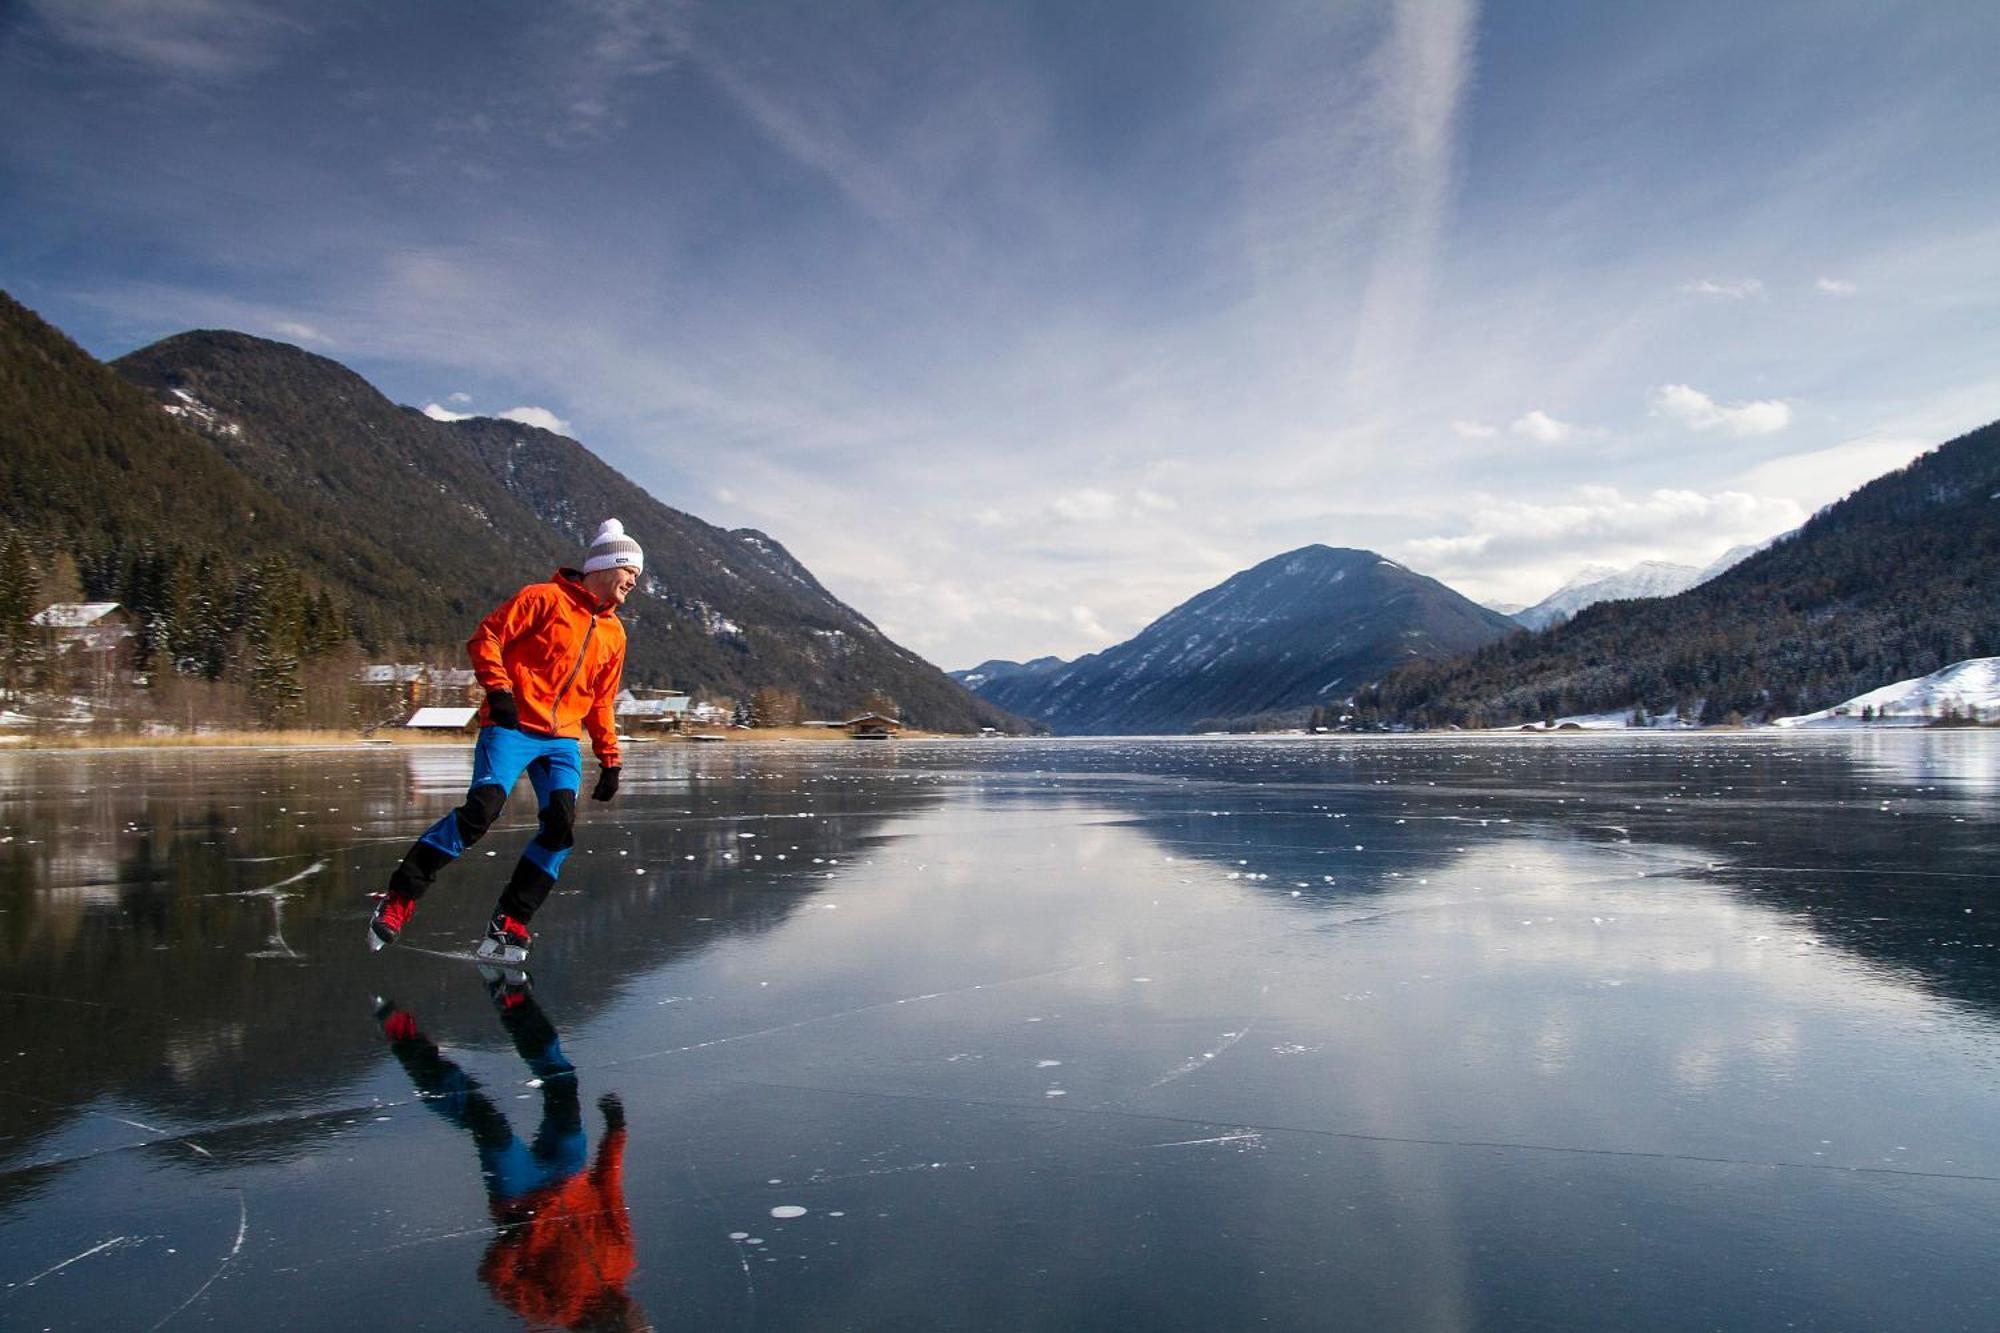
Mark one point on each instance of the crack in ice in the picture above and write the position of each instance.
(242, 1231)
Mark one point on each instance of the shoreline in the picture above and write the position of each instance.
(350, 740)
(355, 740)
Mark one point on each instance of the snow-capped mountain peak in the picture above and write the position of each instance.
(1604, 583)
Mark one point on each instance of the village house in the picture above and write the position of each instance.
(705, 714)
(873, 727)
(652, 710)
(90, 627)
(416, 685)
(96, 638)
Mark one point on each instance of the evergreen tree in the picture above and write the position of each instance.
(276, 632)
(17, 606)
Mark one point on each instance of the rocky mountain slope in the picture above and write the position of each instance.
(476, 507)
(235, 449)
(1299, 631)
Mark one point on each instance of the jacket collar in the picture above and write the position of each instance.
(571, 582)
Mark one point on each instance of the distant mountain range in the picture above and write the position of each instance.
(1607, 583)
(241, 449)
(1301, 630)
(1894, 582)
(210, 453)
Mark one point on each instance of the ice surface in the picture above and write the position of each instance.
(1498, 1032)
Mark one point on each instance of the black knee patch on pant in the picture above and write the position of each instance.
(558, 831)
(481, 808)
(420, 866)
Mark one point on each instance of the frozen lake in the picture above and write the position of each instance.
(1420, 1033)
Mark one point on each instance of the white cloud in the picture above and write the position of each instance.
(1086, 621)
(1474, 430)
(188, 38)
(460, 398)
(1595, 513)
(1695, 409)
(1424, 67)
(1821, 476)
(1728, 289)
(1155, 501)
(526, 415)
(305, 333)
(1085, 506)
(1524, 548)
(1540, 426)
(1835, 287)
(537, 416)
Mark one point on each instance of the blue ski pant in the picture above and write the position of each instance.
(554, 765)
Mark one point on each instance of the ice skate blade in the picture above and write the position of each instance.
(498, 974)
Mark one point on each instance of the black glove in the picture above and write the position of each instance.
(613, 1110)
(607, 784)
(501, 710)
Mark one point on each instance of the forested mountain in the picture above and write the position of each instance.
(86, 459)
(412, 528)
(994, 670)
(1300, 631)
(1897, 580)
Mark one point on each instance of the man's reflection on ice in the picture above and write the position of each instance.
(564, 1252)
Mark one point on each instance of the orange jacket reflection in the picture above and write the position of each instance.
(565, 1251)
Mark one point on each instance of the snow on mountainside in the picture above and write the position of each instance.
(1606, 583)
(1971, 688)
(422, 524)
(1733, 557)
(1602, 583)
(999, 668)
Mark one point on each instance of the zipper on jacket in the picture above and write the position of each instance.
(563, 693)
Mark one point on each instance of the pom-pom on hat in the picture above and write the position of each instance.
(612, 549)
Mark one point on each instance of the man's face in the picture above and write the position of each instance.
(611, 585)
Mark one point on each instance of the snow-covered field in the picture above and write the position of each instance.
(1973, 684)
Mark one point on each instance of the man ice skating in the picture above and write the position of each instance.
(549, 658)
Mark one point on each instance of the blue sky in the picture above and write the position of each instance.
(1019, 323)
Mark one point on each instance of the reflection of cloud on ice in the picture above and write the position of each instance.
(1073, 906)
(1553, 908)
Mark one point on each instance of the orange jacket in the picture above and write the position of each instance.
(561, 655)
(565, 1252)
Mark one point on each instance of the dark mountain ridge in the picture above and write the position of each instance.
(1301, 630)
(1897, 580)
(472, 509)
(267, 451)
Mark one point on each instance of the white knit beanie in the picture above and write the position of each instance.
(612, 549)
